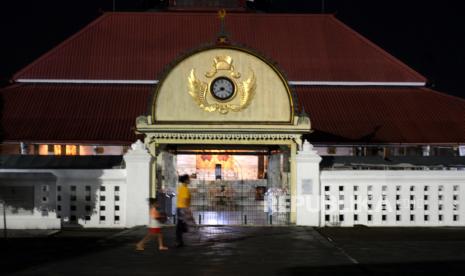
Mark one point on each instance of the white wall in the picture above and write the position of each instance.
(81, 198)
(393, 198)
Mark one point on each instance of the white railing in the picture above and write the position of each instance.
(392, 198)
(81, 198)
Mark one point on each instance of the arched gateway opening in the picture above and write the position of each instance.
(227, 117)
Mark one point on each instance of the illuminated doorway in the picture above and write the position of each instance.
(235, 186)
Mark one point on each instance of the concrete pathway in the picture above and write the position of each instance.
(243, 251)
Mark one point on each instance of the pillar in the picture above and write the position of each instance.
(308, 186)
(138, 164)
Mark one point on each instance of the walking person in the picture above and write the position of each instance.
(183, 211)
(154, 227)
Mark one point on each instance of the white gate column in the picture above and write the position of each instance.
(138, 162)
(308, 186)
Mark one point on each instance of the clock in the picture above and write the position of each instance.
(222, 88)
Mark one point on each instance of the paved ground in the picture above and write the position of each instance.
(242, 251)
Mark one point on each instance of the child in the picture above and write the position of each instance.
(154, 227)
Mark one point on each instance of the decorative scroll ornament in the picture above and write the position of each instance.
(223, 68)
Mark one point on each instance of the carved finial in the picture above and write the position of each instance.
(222, 36)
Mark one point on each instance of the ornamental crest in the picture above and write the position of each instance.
(223, 90)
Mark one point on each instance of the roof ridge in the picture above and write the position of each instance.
(17, 75)
(152, 13)
(381, 50)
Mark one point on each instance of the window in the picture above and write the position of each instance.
(327, 206)
(45, 188)
(73, 198)
(88, 188)
(341, 188)
(412, 207)
(326, 217)
(370, 188)
(102, 208)
(58, 198)
(355, 197)
(397, 188)
(341, 207)
(71, 150)
(116, 218)
(384, 188)
(397, 197)
(355, 188)
(341, 217)
(398, 207)
(440, 197)
(331, 150)
(426, 218)
(369, 217)
(88, 208)
(426, 188)
(327, 188)
(87, 217)
(59, 188)
(383, 207)
(88, 198)
(370, 206)
(383, 217)
(456, 197)
(72, 218)
(455, 217)
(412, 197)
(412, 217)
(397, 217)
(116, 188)
(440, 217)
(73, 208)
(355, 206)
(456, 188)
(412, 188)
(356, 217)
(102, 218)
(102, 198)
(102, 188)
(440, 188)
(116, 207)
(426, 207)
(73, 188)
(58, 207)
(341, 197)
(425, 197)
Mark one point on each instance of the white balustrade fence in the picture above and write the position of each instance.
(55, 198)
(392, 198)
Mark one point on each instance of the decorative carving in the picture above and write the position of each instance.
(225, 136)
(198, 89)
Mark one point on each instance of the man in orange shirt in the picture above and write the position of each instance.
(183, 212)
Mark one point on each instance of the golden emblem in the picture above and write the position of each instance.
(224, 86)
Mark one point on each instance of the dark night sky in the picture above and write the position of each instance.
(429, 36)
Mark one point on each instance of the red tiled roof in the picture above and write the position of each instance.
(138, 46)
(107, 113)
(72, 113)
(383, 115)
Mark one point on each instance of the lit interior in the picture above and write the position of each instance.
(204, 166)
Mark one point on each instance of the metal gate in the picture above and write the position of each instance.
(242, 202)
(232, 200)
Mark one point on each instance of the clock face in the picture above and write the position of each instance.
(222, 88)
